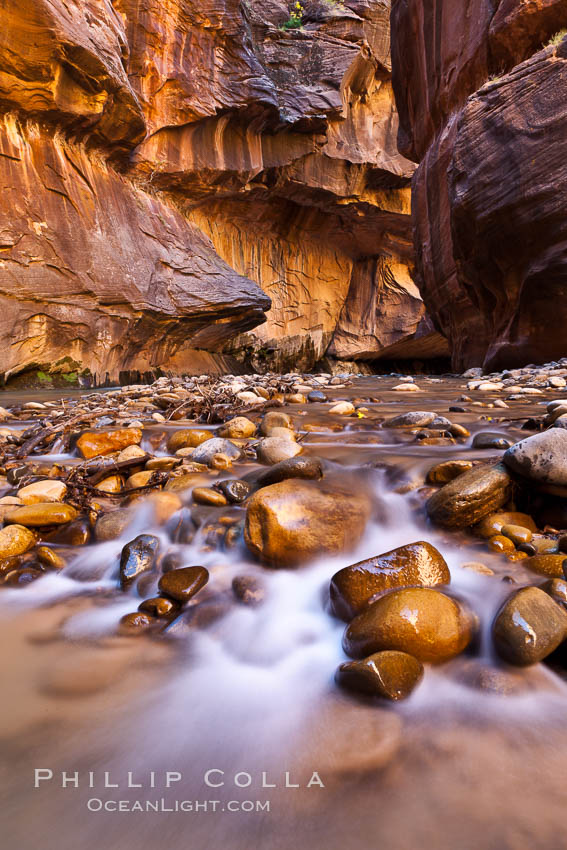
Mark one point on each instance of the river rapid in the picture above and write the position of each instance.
(237, 721)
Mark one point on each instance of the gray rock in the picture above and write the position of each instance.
(489, 440)
(275, 449)
(207, 450)
(541, 458)
(412, 419)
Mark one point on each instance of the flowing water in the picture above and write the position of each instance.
(248, 700)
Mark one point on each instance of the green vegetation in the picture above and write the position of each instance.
(295, 19)
(556, 39)
(44, 378)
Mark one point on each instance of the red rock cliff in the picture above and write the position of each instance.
(481, 89)
(171, 167)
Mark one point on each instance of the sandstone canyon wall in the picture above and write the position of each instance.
(172, 168)
(481, 89)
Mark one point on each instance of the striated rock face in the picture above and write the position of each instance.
(482, 104)
(170, 170)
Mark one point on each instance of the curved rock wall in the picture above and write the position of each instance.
(482, 100)
(171, 168)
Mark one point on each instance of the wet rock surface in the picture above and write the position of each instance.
(424, 623)
(294, 521)
(348, 511)
(528, 627)
(389, 674)
(416, 564)
(470, 497)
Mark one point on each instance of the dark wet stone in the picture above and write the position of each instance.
(528, 548)
(470, 497)
(159, 606)
(111, 526)
(248, 589)
(171, 561)
(76, 533)
(233, 535)
(557, 589)
(182, 584)
(480, 676)
(23, 576)
(16, 473)
(137, 557)
(419, 620)
(456, 409)
(389, 674)
(488, 440)
(235, 490)
(316, 395)
(136, 623)
(310, 468)
(414, 564)
(528, 627)
(181, 526)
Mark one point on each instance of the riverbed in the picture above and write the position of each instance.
(228, 729)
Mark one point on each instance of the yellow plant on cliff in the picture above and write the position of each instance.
(295, 19)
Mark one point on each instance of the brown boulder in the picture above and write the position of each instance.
(470, 497)
(93, 443)
(528, 627)
(295, 521)
(414, 564)
(422, 622)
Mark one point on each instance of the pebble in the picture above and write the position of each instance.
(494, 523)
(235, 490)
(159, 606)
(389, 674)
(413, 564)
(309, 468)
(274, 419)
(238, 428)
(290, 523)
(420, 621)
(406, 388)
(316, 396)
(487, 440)
(447, 471)
(499, 543)
(48, 490)
(188, 438)
(93, 443)
(342, 408)
(528, 627)
(248, 589)
(517, 533)
(42, 513)
(137, 557)
(111, 484)
(182, 584)
(208, 496)
(470, 497)
(15, 540)
(546, 565)
(272, 450)
(411, 419)
(130, 453)
(205, 452)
